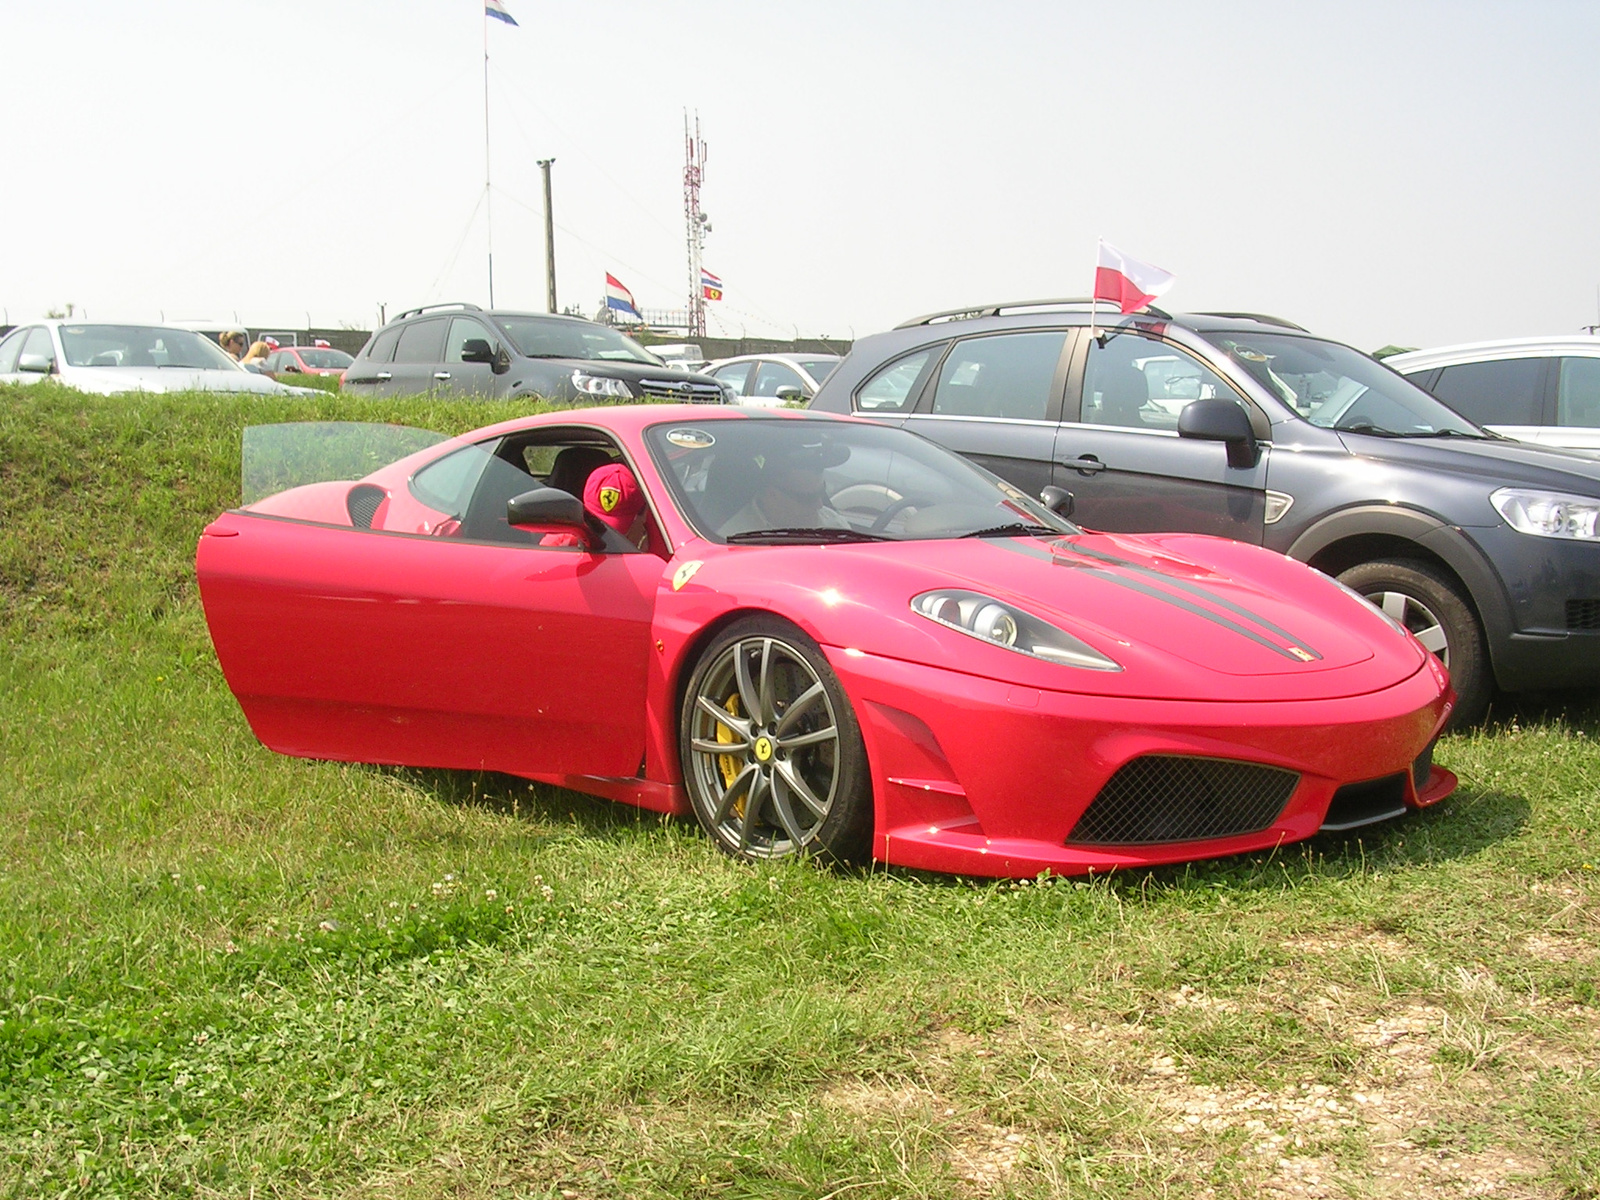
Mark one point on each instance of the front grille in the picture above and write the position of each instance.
(362, 504)
(1583, 614)
(1358, 804)
(683, 390)
(1168, 798)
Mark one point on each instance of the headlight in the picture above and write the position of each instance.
(730, 394)
(989, 620)
(1549, 514)
(601, 385)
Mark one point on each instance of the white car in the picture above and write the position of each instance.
(107, 358)
(773, 380)
(1544, 390)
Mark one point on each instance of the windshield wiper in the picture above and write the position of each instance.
(1439, 433)
(1014, 529)
(805, 533)
(1367, 427)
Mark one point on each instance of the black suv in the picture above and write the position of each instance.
(461, 350)
(1248, 427)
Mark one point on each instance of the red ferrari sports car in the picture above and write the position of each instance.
(821, 635)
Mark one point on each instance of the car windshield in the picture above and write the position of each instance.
(802, 480)
(320, 359)
(1339, 388)
(141, 346)
(538, 337)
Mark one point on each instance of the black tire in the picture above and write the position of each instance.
(795, 781)
(1430, 604)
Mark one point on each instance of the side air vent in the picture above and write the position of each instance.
(1358, 804)
(1171, 798)
(362, 504)
(1583, 614)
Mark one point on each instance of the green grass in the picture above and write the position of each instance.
(226, 973)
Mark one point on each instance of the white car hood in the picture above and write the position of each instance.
(107, 380)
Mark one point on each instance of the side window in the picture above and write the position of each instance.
(39, 343)
(774, 375)
(446, 484)
(273, 361)
(1578, 399)
(9, 349)
(463, 330)
(421, 342)
(892, 387)
(383, 346)
(1137, 382)
(1505, 392)
(734, 375)
(1009, 375)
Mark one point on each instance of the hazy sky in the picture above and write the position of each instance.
(1417, 172)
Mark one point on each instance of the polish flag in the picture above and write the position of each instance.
(1127, 282)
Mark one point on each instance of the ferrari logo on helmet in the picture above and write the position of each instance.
(609, 496)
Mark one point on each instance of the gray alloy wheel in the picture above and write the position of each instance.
(1429, 604)
(772, 756)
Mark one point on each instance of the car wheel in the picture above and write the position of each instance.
(772, 755)
(1431, 606)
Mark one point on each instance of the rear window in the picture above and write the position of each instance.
(894, 386)
(422, 342)
(1503, 392)
(382, 349)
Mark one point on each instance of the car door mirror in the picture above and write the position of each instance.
(550, 508)
(789, 393)
(39, 364)
(1058, 500)
(1220, 421)
(291, 367)
(477, 350)
(502, 361)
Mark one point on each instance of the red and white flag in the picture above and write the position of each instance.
(1127, 282)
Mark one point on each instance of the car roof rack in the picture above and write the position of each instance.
(458, 304)
(1264, 318)
(1072, 303)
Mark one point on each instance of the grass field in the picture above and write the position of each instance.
(226, 973)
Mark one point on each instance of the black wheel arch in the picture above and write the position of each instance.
(1369, 533)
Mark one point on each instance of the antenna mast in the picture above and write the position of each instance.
(694, 166)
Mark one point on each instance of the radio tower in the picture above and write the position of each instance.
(694, 167)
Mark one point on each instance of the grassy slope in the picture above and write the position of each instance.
(227, 973)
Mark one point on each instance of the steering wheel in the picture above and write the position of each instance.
(883, 519)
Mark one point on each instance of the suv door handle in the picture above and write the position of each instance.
(384, 376)
(1084, 464)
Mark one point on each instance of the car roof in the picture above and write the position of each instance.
(632, 419)
(1524, 347)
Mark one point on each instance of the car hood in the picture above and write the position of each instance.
(1497, 462)
(631, 371)
(109, 380)
(1184, 616)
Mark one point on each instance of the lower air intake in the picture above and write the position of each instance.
(1169, 798)
(1358, 804)
(1583, 614)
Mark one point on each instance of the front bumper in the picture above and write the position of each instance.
(1543, 578)
(975, 776)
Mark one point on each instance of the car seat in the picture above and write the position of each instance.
(1123, 393)
(574, 465)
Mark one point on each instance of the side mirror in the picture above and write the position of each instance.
(1220, 421)
(502, 362)
(291, 368)
(1058, 501)
(476, 350)
(789, 393)
(39, 364)
(551, 508)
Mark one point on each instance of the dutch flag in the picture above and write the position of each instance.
(494, 8)
(620, 299)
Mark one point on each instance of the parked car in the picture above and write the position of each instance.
(771, 380)
(462, 350)
(931, 668)
(1544, 390)
(108, 358)
(1249, 427)
(307, 360)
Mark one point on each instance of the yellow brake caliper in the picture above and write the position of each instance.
(727, 763)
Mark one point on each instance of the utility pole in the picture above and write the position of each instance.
(549, 239)
(694, 166)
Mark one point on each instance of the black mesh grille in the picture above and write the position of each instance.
(362, 504)
(1165, 798)
(1583, 614)
(685, 390)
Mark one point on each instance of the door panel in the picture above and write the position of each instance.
(430, 651)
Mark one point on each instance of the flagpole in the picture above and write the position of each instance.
(488, 195)
(1094, 287)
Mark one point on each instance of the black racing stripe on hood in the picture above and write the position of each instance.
(1039, 552)
(1195, 589)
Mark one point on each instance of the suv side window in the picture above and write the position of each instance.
(421, 342)
(1136, 382)
(1578, 400)
(1504, 392)
(1009, 375)
(893, 387)
(774, 375)
(383, 346)
(462, 330)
